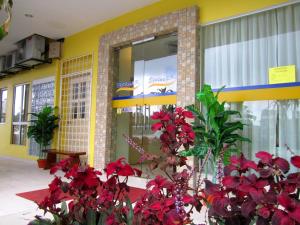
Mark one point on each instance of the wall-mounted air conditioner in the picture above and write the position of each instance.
(10, 63)
(2, 66)
(32, 51)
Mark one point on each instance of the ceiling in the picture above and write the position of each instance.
(61, 18)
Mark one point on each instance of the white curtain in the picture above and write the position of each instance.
(260, 119)
(240, 52)
(289, 128)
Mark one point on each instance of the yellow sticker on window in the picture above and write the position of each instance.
(282, 74)
(119, 111)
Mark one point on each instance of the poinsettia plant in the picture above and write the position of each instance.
(92, 200)
(263, 192)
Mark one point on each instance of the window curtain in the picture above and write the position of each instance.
(240, 52)
(273, 126)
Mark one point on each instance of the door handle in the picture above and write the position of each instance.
(135, 117)
(144, 122)
(149, 117)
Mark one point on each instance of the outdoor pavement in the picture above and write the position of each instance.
(17, 176)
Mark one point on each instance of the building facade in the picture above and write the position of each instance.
(113, 76)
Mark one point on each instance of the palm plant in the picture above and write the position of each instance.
(42, 128)
(214, 128)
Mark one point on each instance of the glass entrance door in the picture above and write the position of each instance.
(145, 83)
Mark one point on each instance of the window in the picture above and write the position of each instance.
(240, 52)
(78, 100)
(273, 126)
(3, 97)
(20, 112)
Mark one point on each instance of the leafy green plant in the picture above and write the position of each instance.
(214, 127)
(42, 127)
(7, 6)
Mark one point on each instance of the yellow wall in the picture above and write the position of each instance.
(87, 42)
(6, 148)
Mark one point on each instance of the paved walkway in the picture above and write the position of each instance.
(18, 176)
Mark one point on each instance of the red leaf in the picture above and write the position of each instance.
(156, 206)
(295, 160)
(264, 212)
(187, 199)
(265, 173)
(231, 182)
(281, 218)
(156, 126)
(286, 201)
(247, 208)
(282, 164)
(295, 214)
(188, 114)
(264, 156)
(170, 128)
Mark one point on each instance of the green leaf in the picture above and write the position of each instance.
(102, 219)
(91, 217)
(130, 213)
(64, 208)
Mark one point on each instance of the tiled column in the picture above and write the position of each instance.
(185, 23)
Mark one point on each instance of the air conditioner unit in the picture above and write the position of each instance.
(10, 63)
(32, 51)
(2, 66)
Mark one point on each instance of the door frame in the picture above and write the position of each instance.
(184, 22)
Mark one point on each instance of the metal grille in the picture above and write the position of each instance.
(75, 105)
(42, 95)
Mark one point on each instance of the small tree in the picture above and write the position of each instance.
(42, 128)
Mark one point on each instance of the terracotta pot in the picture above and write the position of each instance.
(42, 163)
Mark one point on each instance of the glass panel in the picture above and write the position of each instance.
(23, 135)
(18, 104)
(16, 134)
(82, 89)
(25, 99)
(20, 110)
(148, 68)
(82, 110)
(272, 126)
(157, 61)
(3, 95)
(75, 91)
(129, 121)
(74, 110)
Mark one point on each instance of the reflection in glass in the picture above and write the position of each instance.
(20, 113)
(272, 126)
(3, 95)
(147, 69)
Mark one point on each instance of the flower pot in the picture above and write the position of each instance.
(42, 163)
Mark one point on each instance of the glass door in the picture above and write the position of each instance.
(146, 82)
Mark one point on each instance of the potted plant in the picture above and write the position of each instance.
(41, 130)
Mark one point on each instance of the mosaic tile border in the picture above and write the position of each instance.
(185, 23)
